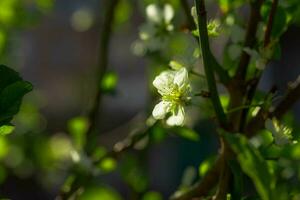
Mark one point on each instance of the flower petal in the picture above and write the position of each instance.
(164, 81)
(181, 78)
(177, 119)
(154, 13)
(168, 13)
(161, 109)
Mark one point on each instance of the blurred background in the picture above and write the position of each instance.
(55, 46)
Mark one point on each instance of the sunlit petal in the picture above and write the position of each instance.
(161, 109)
(177, 119)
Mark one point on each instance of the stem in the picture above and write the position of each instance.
(250, 39)
(253, 87)
(187, 11)
(270, 23)
(203, 187)
(94, 112)
(102, 66)
(221, 72)
(207, 62)
(257, 123)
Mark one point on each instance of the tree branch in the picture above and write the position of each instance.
(203, 187)
(187, 11)
(93, 114)
(253, 87)
(269, 28)
(102, 66)
(207, 61)
(250, 39)
(258, 122)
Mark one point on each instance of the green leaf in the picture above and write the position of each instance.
(152, 196)
(6, 129)
(77, 128)
(109, 82)
(12, 90)
(99, 192)
(206, 165)
(108, 165)
(133, 173)
(7, 77)
(253, 164)
(187, 133)
(10, 99)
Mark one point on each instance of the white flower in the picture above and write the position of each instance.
(281, 133)
(174, 87)
(158, 14)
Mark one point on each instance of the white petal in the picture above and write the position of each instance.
(164, 81)
(181, 78)
(161, 109)
(168, 13)
(154, 13)
(177, 119)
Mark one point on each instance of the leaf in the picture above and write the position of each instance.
(12, 90)
(109, 82)
(152, 196)
(206, 165)
(108, 165)
(10, 99)
(77, 128)
(133, 173)
(6, 129)
(187, 133)
(253, 164)
(7, 77)
(99, 192)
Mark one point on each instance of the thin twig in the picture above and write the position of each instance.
(257, 123)
(269, 28)
(93, 114)
(102, 66)
(203, 187)
(253, 87)
(250, 39)
(189, 18)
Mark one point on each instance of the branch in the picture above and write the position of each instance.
(203, 187)
(253, 87)
(207, 62)
(126, 145)
(102, 66)
(268, 32)
(258, 122)
(93, 114)
(187, 12)
(290, 99)
(250, 39)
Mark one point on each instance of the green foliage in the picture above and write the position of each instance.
(253, 164)
(109, 82)
(99, 192)
(78, 127)
(152, 196)
(12, 90)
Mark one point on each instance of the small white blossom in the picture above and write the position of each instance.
(281, 133)
(160, 15)
(174, 87)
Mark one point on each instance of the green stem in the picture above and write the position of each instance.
(208, 62)
(221, 72)
(102, 67)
